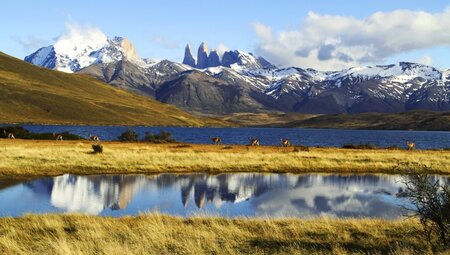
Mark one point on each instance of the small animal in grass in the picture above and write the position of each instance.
(410, 145)
(216, 140)
(57, 137)
(94, 138)
(253, 141)
(285, 142)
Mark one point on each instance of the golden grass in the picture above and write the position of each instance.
(37, 158)
(31, 94)
(159, 234)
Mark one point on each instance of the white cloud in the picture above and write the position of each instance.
(330, 42)
(425, 60)
(79, 37)
(164, 42)
(221, 48)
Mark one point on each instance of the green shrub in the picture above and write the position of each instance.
(162, 137)
(98, 148)
(365, 146)
(128, 136)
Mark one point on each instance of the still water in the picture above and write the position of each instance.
(269, 136)
(229, 195)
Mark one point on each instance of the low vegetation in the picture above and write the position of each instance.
(22, 133)
(161, 137)
(159, 234)
(359, 146)
(34, 158)
(97, 148)
(129, 136)
(431, 205)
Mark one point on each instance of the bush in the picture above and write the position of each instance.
(365, 146)
(431, 204)
(162, 137)
(227, 148)
(98, 148)
(128, 136)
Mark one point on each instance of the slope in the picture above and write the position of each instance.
(411, 120)
(31, 94)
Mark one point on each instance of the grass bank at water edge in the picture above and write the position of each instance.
(37, 158)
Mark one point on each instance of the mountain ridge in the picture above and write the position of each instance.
(263, 87)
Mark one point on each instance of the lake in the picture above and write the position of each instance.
(229, 195)
(269, 136)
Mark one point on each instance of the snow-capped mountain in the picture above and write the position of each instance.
(243, 82)
(72, 55)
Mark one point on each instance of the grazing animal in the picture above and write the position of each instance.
(58, 137)
(285, 142)
(216, 140)
(11, 136)
(254, 141)
(94, 138)
(410, 145)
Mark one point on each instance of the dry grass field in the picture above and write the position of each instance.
(38, 158)
(160, 234)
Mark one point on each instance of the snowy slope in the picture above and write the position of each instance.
(73, 55)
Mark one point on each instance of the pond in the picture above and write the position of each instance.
(269, 136)
(228, 195)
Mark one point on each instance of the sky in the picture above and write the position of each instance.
(321, 34)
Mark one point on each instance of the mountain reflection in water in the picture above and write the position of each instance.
(239, 194)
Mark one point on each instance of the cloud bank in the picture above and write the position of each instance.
(327, 42)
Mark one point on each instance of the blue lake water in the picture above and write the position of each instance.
(229, 195)
(269, 136)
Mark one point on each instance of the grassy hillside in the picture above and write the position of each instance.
(30, 94)
(414, 120)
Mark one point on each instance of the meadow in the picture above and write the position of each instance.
(24, 158)
(161, 234)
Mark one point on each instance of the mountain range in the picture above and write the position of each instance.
(242, 82)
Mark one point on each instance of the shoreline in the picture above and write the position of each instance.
(33, 158)
(228, 125)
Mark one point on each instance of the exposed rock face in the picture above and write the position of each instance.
(213, 59)
(229, 58)
(202, 56)
(188, 58)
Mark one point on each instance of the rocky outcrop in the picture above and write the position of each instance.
(202, 56)
(213, 59)
(188, 58)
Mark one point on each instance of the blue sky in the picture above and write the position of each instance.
(161, 29)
